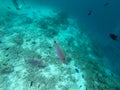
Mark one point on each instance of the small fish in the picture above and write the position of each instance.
(106, 4)
(76, 70)
(59, 52)
(23, 2)
(90, 12)
(38, 85)
(31, 83)
(9, 7)
(83, 76)
(80, 86)
(15, 2)
(113, 36)
(36, 63)
(17, 5)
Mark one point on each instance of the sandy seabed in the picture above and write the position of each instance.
(27, 36)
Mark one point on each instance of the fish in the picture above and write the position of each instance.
(59, 51)
(113, 36)
(18, 5)
(35, 63)
(106, 4)
(23, 2)
(9, 7)
(31, 83)
(90, 12)
(76, 70)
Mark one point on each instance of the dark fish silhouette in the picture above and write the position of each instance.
(106, 4)
(9, 7)
(31, 83)
(90, 12)
(35, 63)
(76, 70)
(113, 36)
(15, 2)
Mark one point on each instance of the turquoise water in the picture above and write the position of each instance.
(59, 45)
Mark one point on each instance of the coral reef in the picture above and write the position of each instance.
(29, 60)
(51, 25)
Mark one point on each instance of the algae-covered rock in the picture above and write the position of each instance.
(6, 69)
(18, 39)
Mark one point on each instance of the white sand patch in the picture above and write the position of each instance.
(16, 79)
(65, 79)
(50, 71)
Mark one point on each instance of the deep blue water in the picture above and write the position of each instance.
(103, 20)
